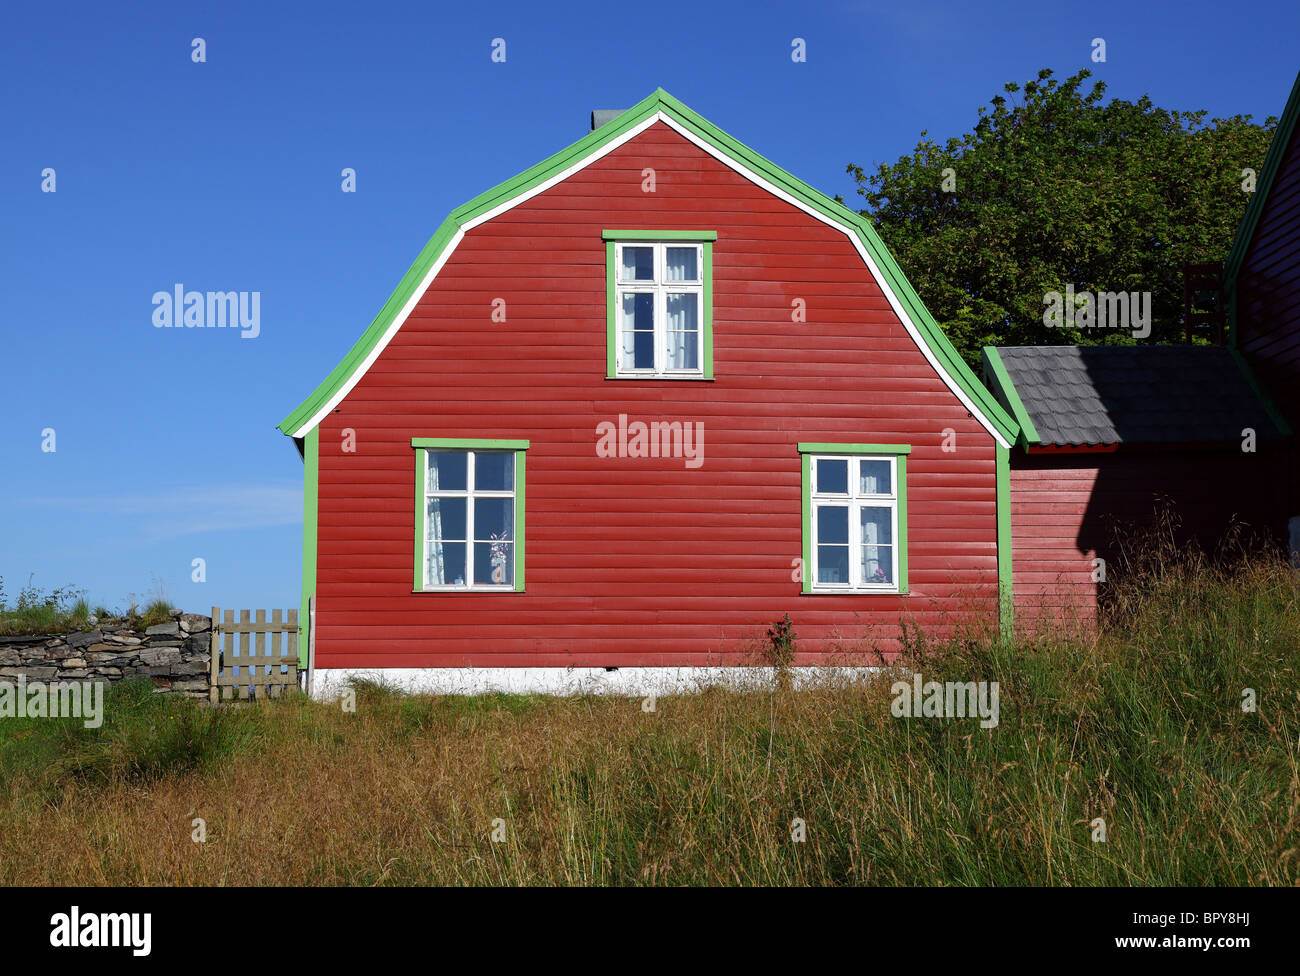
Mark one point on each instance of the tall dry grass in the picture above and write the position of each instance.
(1142, 727)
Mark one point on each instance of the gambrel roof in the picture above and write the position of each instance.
(658, 107)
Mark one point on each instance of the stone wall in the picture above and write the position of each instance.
(173, 655)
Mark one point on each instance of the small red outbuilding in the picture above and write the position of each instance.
(1113, 438)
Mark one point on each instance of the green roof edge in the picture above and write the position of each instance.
(1001, 380)
(659, 100)
(1246, 229)
(1274, 414)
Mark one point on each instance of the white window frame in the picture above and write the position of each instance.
(470, 493)
(660, 287)
(855, 501)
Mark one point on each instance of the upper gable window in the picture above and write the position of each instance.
(660, 296)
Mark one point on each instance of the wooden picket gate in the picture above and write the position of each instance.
(261, 674)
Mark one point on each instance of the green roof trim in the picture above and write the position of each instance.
(1246, 230)
(1001, 382)
(1006, 548)
(808, 447)
(659, 235)
(310, 531)
(1273, 413)
(658, 101)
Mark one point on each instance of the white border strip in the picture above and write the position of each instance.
(329, 684)
(726, 160)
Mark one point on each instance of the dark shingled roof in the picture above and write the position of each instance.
(1093, 395)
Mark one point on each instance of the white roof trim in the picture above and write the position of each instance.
(726, 160)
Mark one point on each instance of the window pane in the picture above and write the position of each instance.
(494, 562)
(832, 525)
(683, 331)
(446, 563)
(683, 350)
(874, 478)
(877, 564)
(877, 526)
(877, 548)
(833, 476)
(683, 264)
(638, 264)
(638, 331)
(638, 310)
(683, 311)
(447, 470)
(832, 564)
(445, 519)
(494, 472)
(494, 518)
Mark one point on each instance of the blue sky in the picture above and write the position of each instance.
(225, 176)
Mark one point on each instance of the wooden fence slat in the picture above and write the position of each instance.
(275, 641)
(214, 652)
(229, 652)
(260, 644)
(245, 640)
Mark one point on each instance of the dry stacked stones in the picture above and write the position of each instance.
(173, 655)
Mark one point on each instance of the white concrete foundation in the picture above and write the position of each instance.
(328, 683)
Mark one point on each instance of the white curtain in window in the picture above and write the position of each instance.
(682, 264)
(873, 478)
(628, 360)
(877, 560)
(683, 331)
(437, 566)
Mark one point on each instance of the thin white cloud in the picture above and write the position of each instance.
(180, 511)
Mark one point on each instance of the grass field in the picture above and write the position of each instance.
(1143, 728)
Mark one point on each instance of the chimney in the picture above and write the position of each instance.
(602, 115)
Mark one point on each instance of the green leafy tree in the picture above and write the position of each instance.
(1061, 189)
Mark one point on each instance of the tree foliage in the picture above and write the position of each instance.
(1060, 188)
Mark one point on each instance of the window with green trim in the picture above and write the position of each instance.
(855, 518)
(469, 514)
(660, 294)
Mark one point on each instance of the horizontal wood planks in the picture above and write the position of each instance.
(1268, 299)
(1067, 511)
(643, 561)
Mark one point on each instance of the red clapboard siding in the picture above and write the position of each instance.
(1268, 298)
(1067, 510)
(644, 561)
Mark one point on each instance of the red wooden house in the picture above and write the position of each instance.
(1262, 287)
(628, 409)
